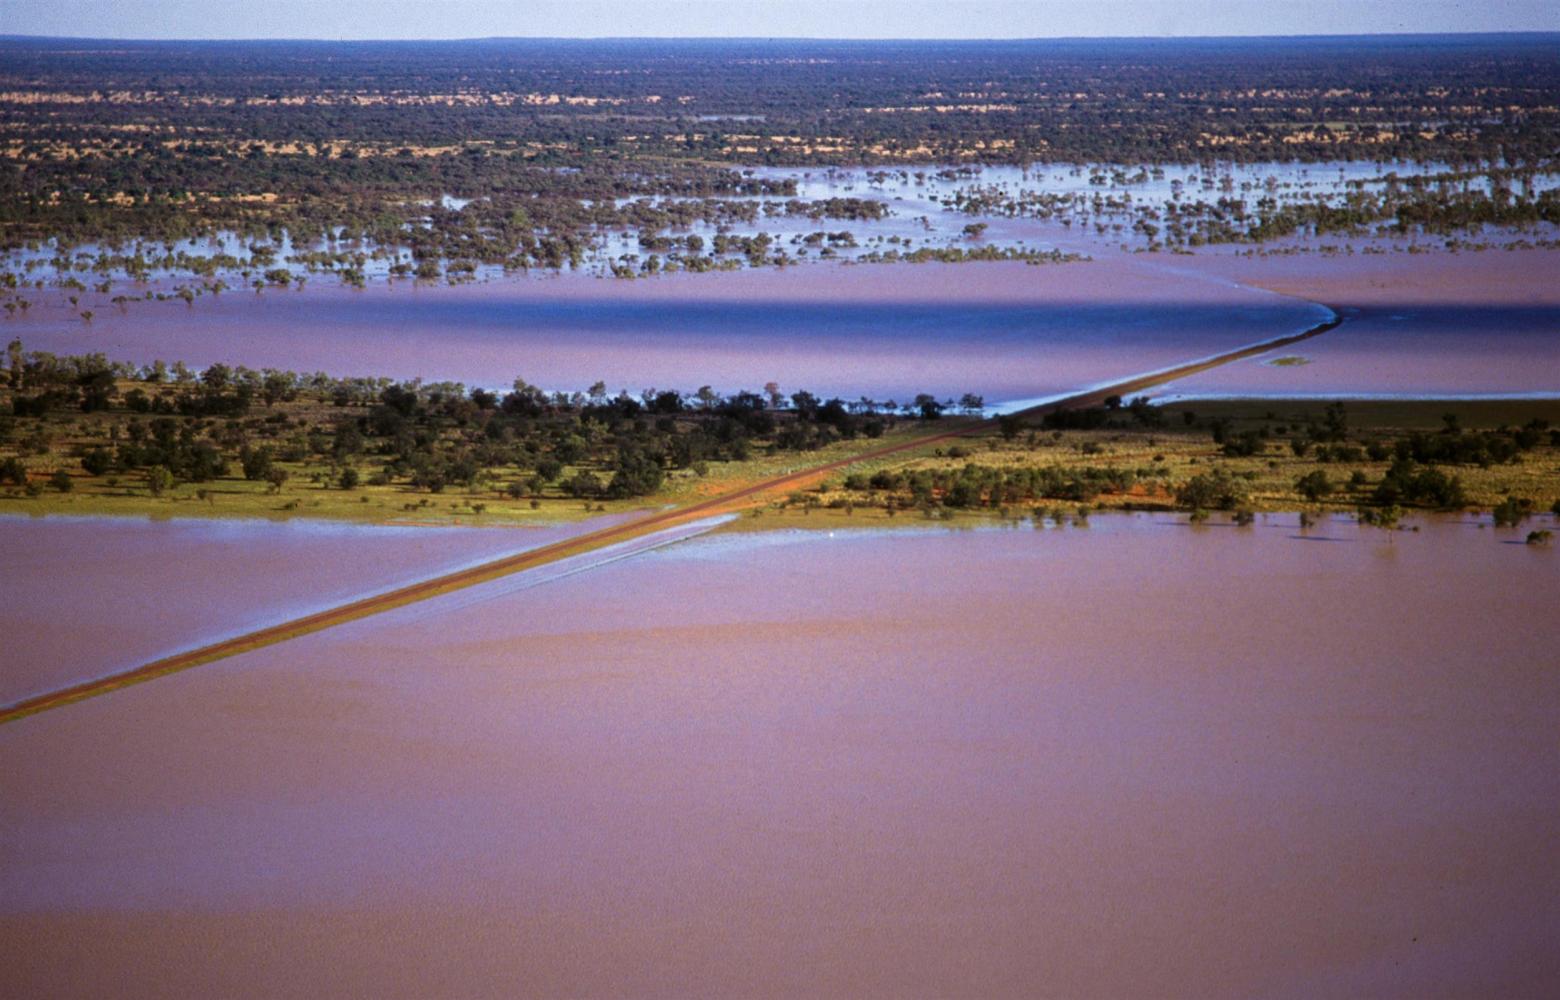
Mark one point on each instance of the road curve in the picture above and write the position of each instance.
(596, 539)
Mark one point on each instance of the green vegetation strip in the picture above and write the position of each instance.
(587, 542)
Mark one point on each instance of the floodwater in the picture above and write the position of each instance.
(1098, 204)
(1428, 326)
(82, 597)
(1004, 331)
(1132, 759)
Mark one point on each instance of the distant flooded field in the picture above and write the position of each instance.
(1431, 325)
(1003, 330)
(1137, 758)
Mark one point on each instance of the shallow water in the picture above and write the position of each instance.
(1005, 331)
(1432, 325)
(1127, 760)
(83, 597)
(920, 214)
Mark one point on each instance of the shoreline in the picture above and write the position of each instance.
(728, 502)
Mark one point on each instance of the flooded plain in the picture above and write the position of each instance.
(1002, 330)
(981, 763)
(81, 597)
(1434, 325)
(1430, 326)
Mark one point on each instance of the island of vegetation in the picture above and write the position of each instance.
(82, 434)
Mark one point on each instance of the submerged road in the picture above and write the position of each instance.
(589, 541)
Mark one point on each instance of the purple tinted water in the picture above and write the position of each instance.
(1005, 331)
(1126, 760)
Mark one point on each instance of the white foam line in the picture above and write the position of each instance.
(1271, 344)
(536, 577)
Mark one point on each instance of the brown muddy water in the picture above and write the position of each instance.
(1132, 759)
(81, 597)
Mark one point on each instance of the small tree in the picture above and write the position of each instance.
(97, 461)
(159, 480)
(1510, 512)
(256, 462)
(61, 481)
(1314, 485)
(1385, 517)
(1217, 489)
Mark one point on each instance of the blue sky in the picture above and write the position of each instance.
(762, 18)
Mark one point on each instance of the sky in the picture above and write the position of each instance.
(402, 19)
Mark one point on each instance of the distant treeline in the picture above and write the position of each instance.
(108, 141)
(196, 426)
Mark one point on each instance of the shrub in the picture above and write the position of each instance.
(158, 479)
(1213, 490)
(1314, 485)
(1405, 481)
(97, 461)
(1511, 512)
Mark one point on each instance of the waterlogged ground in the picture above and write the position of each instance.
(1083, 209)
(1132, 759)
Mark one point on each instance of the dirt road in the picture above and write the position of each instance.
(597, 539)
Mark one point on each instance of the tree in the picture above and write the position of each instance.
(548, 469)
(928, 406)
(349, 478)
(61, 481)
(277, 386)
(1218, 489)
(256, 462)
(1314, 485)
(217, 377)
(158, 480)
(1385, 518)
(637, 472)
(97, 461)
(1510, 512)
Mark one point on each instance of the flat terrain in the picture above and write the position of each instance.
(786, 764)
(138, 588)
(1174, 424)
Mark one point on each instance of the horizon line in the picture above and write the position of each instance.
(1509, 33)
